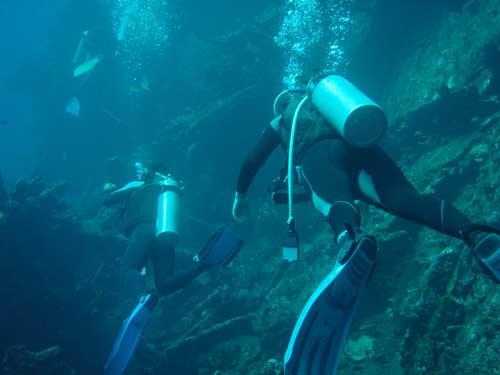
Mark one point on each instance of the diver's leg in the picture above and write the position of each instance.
(381, 181)
(328, 169)
(180, 279)
(136, 256)
(163, 259)
(127, 339)
(220, 250)
(395, 194)
(138, 247)
(321, 329)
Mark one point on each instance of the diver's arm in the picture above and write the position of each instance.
(267, 143)
(122, 194)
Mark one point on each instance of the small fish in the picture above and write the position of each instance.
(112, 116)
(80, 47)
(141, 86)
(73, 107)
(87, 66)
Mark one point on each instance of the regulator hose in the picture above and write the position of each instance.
(290, 159)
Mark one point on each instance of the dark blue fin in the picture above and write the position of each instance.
(487, 252)
(126, 341)
(322, 327)
(220, 249)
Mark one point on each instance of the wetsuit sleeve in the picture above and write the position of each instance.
(267, 143)
(121, 195)
(116, 197)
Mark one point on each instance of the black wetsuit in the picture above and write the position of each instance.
(145, 245)
(333, 169)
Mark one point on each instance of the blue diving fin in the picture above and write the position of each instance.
(220, 249)
(321, 329)
(126, 341)
(487, 252)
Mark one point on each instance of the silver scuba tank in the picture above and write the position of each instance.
(357, 118)
(168, 210)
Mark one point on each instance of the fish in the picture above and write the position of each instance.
(73, 107)
(141, 86)
(87, 66)
(112, 116)
(4, 122)
(80, 47)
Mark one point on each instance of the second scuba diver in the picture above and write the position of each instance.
(329, 131)
(151, 219)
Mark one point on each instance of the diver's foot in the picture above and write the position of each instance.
(347, 242)
(487, 252)
(346, 251)
(151, 299)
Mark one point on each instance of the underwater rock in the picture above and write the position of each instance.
(38, 192)
(19, 360)
(479, 153)
(438, 158)
(451, 56)
(272, 367)
(185, 347)
(61, 288)
(35, 201)
(434, 337)
(360, 348)
(232, 356)
(184, 125)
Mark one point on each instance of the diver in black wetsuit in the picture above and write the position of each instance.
(140, 210)
(339, 173)
(337, 164)
(151, 219)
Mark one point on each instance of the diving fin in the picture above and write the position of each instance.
(321, 329)
(487, 252)
(126, 341)
(220, 249)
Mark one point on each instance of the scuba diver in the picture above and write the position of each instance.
(151, 217)
(330, 130)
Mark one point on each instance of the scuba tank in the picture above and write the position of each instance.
(354, 116)
(168, 210)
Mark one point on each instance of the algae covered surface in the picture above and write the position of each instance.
(192, 84)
